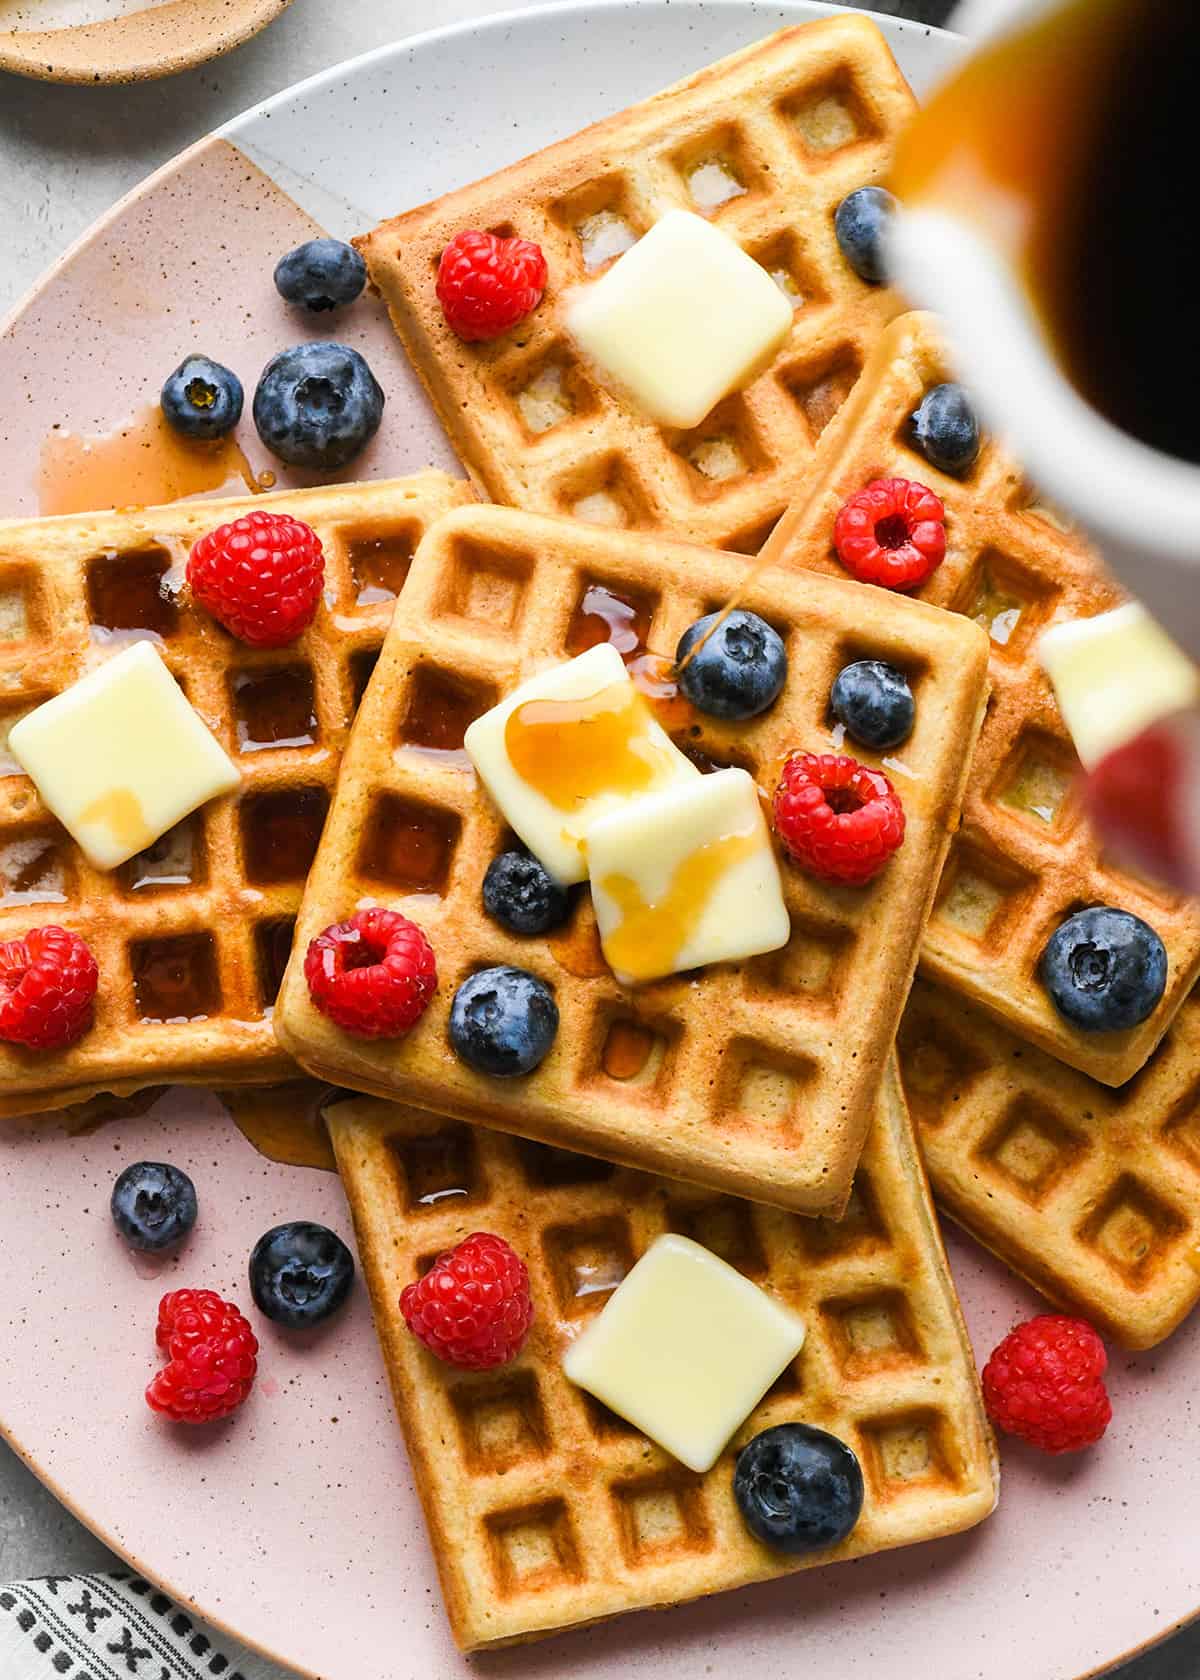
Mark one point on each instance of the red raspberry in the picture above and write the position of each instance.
(374, 975)
(47, 983)
(1045, 1383)
(839, 820)
(485, 284)
(211, 1349)
(472, 1308)
(892, 533)
(1138, 797)
(260, 576)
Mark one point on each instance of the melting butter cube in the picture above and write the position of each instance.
(685, 877)
(567, 746)
(121, 757)
(684, 1349)
(682, 319)
(1115, 675)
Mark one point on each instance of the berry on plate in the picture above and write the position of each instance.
(473, 1307)
(300, 1273)
(503, 1021)
(260, 576)
(861, 226)
(212, 1357)
(945, 429)
(839, 820)
(202, 399)
(874, 704)
(317, 405)
(374, 975)
(523, 896)
(799, 1489)
(1045, 1383)
(486, 284)
(739, 669)
(48, 983)
(1104, 969)
(892, 532)
(153, 1205)
(320, 275)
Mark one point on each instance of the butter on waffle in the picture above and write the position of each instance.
(545, 1510)
(757, 1077)
(767, 142)
(191, 935)
(1091, 1194)
(1026, 857)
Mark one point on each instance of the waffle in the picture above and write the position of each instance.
(1026, 857)
(192, 935)
(545, 1510)
(778, 134)
(757, 1078)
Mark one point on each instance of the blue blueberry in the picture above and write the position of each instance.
(945, 429)
(153, 1206)
(503, 1021)
(202, 399)
(317, 405)
(1104, 969)
(522, 896)
(740, 669)
(799, 1489)
(861, 224)
(300, 1274)
(874, 703)
(321, 274)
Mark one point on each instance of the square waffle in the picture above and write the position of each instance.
(1026, 857)
(545, 1510)
(1091, 1194)
(755, 1077)
(767, 143)
(191, 936)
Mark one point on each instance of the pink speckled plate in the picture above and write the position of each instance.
(295, 1526)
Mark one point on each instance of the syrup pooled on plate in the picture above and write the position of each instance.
(145, 462)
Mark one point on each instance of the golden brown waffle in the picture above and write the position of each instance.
(545, 1510)
(1092, 1195)
(1026, 857)
(757, 1077)
(786, 129)
(192, 935)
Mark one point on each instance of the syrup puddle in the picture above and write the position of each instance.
(146, 461)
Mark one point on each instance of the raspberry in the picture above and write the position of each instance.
(1045, 1383)
(1137, 798)
(892, 533)
(374, 975)
(260, 576)
(47, 983)
(486, 284)
(838, 819)
(211, 1349)
(472, 1308)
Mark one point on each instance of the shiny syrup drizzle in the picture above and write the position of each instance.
(147, 461)
(627, 1049)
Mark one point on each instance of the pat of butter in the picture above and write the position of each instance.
(684, 1349)
(685, 877)
(120, 757)
(567, 746)
(682, 319)
(1114, 675)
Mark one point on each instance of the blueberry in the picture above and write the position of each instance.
(799, 1489)
(317, 405)
(1104, 969)
(300, 1274)
(503, 1021)
(875, 703)
(202, 399)
(860, 224)
(739, 670)
(945, 429)
(522, 896)
(153, 1205)
(321, 274)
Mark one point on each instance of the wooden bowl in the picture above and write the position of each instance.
(138, 46)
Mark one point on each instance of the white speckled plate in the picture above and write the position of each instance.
(295, 1525)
